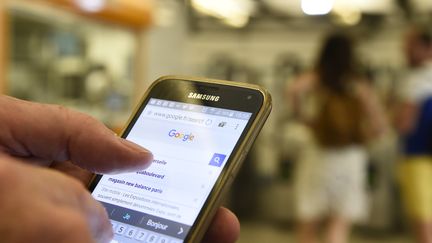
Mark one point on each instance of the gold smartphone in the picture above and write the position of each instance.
(199, 131)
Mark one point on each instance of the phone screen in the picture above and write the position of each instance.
(191, 144)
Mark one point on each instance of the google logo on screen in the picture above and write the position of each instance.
(183, 136)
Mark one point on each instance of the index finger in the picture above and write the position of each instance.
(55, 133)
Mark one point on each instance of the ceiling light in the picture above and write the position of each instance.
(91, 5)
(235, 13)
(317, 7)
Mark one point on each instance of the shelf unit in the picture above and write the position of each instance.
(134, 15)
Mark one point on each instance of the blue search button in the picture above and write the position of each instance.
(217, 160)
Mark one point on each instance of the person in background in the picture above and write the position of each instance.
(342, 111)
(46, 155)
(414, 123)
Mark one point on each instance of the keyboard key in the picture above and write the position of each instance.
(120, 229)
(141, 235)
(130, 232)
(163, 240)
(152, 238)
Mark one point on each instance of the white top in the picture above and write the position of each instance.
(419, 84)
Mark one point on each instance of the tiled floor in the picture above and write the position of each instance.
(256, 232)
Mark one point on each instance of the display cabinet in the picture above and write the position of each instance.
(87, 57)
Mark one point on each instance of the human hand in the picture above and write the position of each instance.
(40, 134)
(41, 205)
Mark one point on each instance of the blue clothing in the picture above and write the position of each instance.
(419, 141)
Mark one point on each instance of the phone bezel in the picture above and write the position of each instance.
(177, 88)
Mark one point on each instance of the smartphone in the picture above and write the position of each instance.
(199, 131)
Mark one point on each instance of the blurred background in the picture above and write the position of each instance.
(99, 56)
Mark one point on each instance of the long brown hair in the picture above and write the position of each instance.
(336, 62)
(339, 119)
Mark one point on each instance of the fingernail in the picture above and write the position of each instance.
(133, 145)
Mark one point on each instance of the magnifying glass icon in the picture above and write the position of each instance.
(217, 160)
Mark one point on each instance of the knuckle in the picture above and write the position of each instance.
(79, 121)
(84, 118)
(61, 110)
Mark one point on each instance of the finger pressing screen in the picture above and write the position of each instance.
(55, 133)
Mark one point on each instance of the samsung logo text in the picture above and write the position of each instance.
(198, 96)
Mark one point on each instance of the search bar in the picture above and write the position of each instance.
(182, 117)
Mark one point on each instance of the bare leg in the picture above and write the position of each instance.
(307, 232)
(423, 232)
(338, 230)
